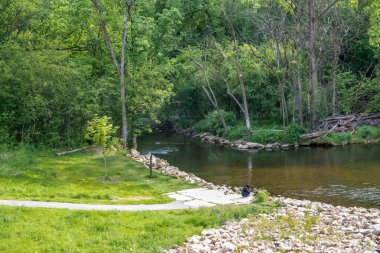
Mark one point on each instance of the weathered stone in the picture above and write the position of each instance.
(135, 153)
(228, 247)
(252, 145)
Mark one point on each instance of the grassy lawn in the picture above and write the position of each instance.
(50, 230)
(37, 175)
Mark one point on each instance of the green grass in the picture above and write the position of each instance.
(361, 135)
(49, 230)
(37, 175)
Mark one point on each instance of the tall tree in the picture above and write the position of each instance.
(127, 8)
(313, 17)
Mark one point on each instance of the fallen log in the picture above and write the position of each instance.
(72, 151)
(313, 135)
(345, 123)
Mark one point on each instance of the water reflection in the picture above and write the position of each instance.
(342, 175)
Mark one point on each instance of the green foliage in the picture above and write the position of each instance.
(213, 124)
(361, 135)
(265, 136)
(288, 135)
(101, 134)
(292, 134)
(56, 72)
(374, 10)
(261, 196)
(237, 132)
(149, 91)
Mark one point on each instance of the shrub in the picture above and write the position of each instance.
(202, 126)
(261, 196)
(265, 136)
(367, 132)
(364, 132)
(376, 132)
(238, 132)
(292, 134)
(213, 124)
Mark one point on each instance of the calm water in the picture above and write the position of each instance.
(340, 175)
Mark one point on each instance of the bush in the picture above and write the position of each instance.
(292, 134)
(261, 196)
(265, 136)
(202, 126)
(367, 132)
(339, 138)
(364, 132)
(213, 124)
(236, 133)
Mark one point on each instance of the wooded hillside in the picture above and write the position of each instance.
(144, 62)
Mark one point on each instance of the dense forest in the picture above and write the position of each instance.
(243, 63)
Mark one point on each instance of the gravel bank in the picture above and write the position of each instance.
(299, 226)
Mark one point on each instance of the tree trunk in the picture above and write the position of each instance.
(299, 79)
(239, 77)
(105, 166)
(283, 106)
(122, 83)
(134, 142)
(333, 77)
(120, 67)
(313, 62)
(210, 93)
(211, 97)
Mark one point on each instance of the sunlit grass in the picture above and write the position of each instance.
(37, 175)
(49, 230)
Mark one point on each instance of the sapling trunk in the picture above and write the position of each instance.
(105, 166)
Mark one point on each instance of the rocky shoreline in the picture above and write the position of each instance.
(239, 144)
(245, 145)
(298, 226)
(164, 167)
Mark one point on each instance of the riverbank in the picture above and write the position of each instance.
(172, 171)
(364, 135)
(300, 225)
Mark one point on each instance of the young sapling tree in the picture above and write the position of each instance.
(101, 134)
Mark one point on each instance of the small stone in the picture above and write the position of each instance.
(228, 247)
(376, 229)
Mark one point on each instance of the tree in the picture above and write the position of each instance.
(209, 90)
(100, 133)
(127, 9)
(227, 9)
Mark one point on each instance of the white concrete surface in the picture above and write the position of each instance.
(192, 198)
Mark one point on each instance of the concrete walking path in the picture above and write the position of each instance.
(192, 198)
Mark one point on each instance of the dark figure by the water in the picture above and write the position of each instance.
(245, 191)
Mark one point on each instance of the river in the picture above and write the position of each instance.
(348, 175)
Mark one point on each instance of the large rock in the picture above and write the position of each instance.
(135, 153)
(253, 145)
(241, 146)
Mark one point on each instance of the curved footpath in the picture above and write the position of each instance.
(192, 198)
